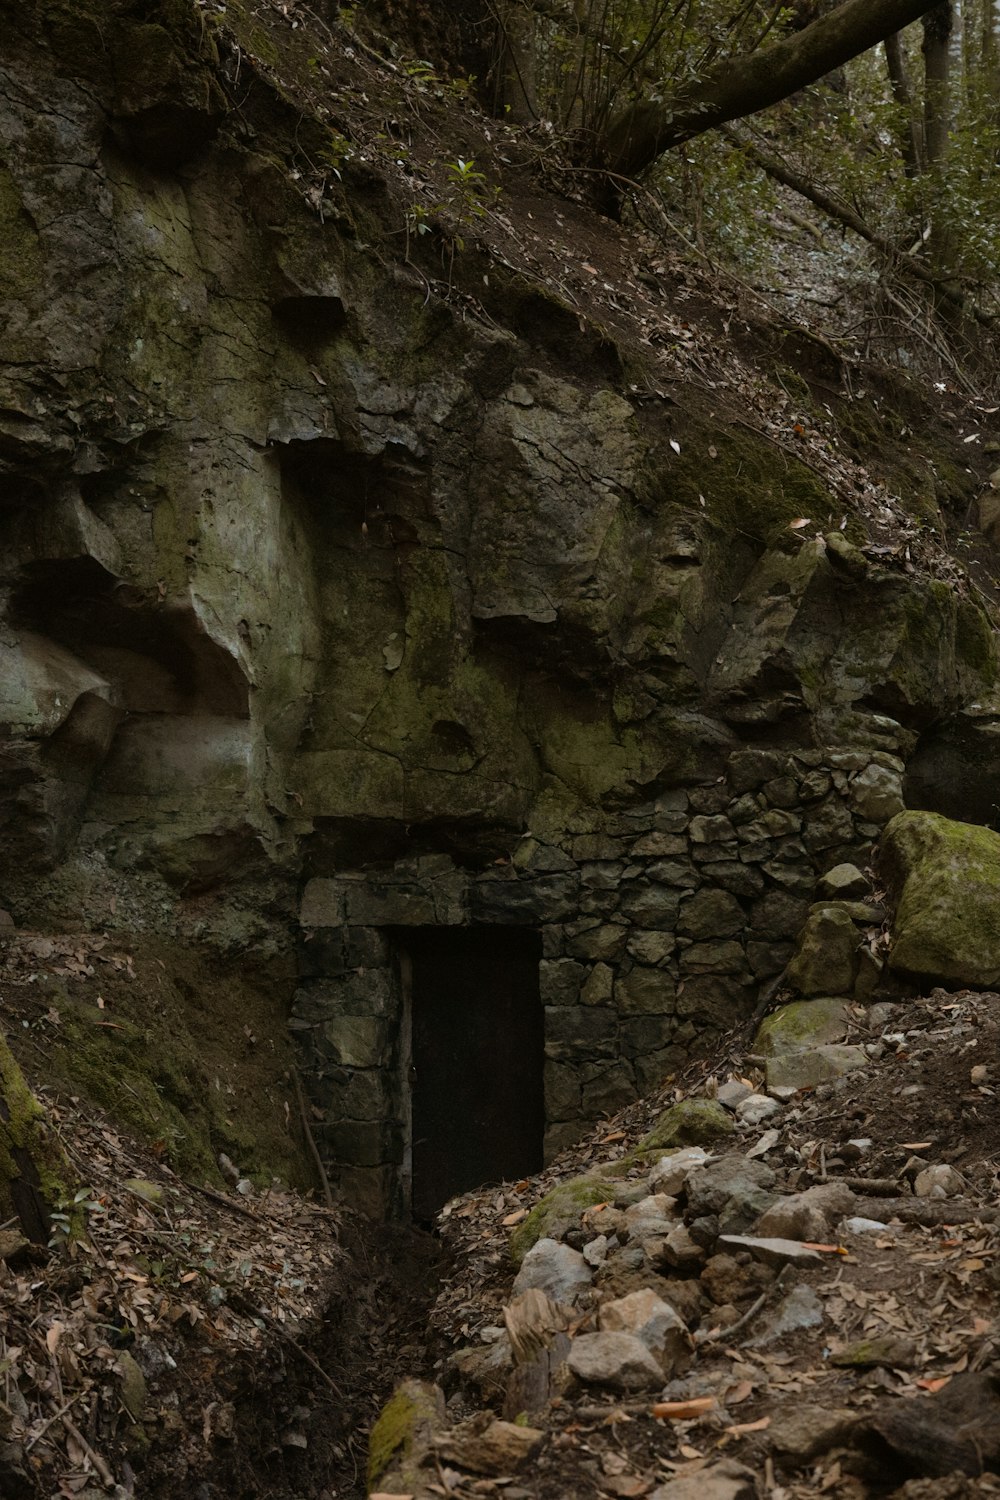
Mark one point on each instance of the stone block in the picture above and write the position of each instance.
(711, 830)
(876, 794)
(778, 914)
(711, 914)
(732, 876)
(748, 770)
(356, 1041)
(654, 1068)
(375, 1191)
(641, 1035)
(602, 875)
(653, 906)
(324, 902)
(560, 1135)
(843, 883)
(370, 1094)
(715, 958)
(373, 905)
(827, 825)
(372, 993)
(580, 1031)
(825, 957)
(781, 792)
(532, 902)
(600, 943)
(718, 1000)
(709, 800)
(659, 846)
(767, 959)
(599, 986)
(362, 1143)
(650, 991)
(560, 980)
(651, 948)
(608, 1090)
(321, 952)
(562, 1090)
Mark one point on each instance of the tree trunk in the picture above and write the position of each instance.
(34, 1172)
(518, 95)
(742, 85)
(909, 136)
(936, 47)
(937, 26)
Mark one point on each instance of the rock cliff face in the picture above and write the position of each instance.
(312, 582)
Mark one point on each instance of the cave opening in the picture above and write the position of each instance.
(472, 1060)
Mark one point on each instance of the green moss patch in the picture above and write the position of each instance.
(945, 877)
(691, 1122)
(186, 1051)
(559, 1211)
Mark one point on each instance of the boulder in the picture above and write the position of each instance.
(691, 1122)
(773, 1252)
(825, 957)
(843, 883)
(671, 1172)
(945, 880)
(618, 1361)
(757, 1108)
(655, 1323)
(807, 1215)
(735, 1190)
(559, 1211)
(555, 1269)
(808, 1069)
(727, 1480)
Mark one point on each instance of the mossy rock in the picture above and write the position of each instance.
(404, 1430)
(945, 879)
(804, 1023)
(825, 957)
(559, 1211)
(691, 1122)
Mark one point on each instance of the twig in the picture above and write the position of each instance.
(311, 1139)
(244, 1305)
(37, 1437)
(230, 1203)
(107, 1478)
(716, 1334)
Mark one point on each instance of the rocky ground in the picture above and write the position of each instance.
(736, 1290)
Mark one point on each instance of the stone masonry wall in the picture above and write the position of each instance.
(657, 932)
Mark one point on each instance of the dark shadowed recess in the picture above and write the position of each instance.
(476, 1060)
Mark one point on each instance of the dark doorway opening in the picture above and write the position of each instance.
(476, 1029)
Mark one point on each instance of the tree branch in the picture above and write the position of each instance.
(835, 209)
(742, 85)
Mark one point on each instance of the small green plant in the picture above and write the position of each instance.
(69, 1217)
(337, 151)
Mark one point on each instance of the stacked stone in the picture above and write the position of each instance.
(657, 930)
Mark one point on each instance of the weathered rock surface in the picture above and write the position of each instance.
(655, 1324)
(945, 878)
(555, 1269)
(617, 1361)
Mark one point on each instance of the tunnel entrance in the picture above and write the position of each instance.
(473, 1020)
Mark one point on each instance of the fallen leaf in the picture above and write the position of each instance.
(798, 524)
(514, 1218)
(933, 1385)
(824, 1249)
